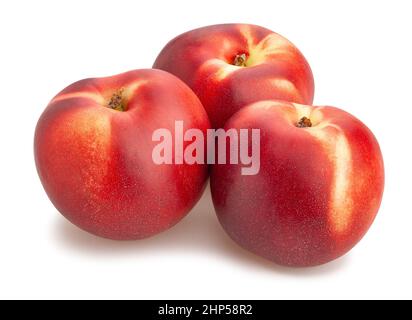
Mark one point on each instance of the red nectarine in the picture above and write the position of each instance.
(319, 187)
(93, 151)
(231, 65)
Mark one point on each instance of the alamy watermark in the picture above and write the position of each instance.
(168, 151)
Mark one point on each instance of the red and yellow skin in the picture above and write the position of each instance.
(319, 187)
(93, 150)
(231, 65)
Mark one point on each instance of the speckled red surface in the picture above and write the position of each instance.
(318, 189)
(203, 58)
(96, 163)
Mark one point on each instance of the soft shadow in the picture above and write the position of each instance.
(200, 231)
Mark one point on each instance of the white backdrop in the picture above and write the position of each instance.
(360, 52)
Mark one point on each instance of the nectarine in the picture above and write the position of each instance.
(231, 65)
(93, 150)
(319, 187)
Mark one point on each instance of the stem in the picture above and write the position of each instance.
(304, 123)
(240, 60)
(116, 101)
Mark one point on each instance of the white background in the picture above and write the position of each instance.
(360, 52)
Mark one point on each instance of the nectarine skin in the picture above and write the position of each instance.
(319, 187)
(231, 65)
(93, 151)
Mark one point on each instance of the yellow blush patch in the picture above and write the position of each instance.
(225, 71)
(302, 110)
(87, 133)
(84, 95)
(284, 84)
(341, 202)
(222, 68)
(272, 44)
(131, 88)
(264, 105)
(339, 153)
(246, 32)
